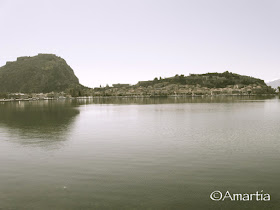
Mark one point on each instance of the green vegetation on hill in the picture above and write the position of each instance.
(209, 80)
(42, 73)
(226, 83)
(48, 73)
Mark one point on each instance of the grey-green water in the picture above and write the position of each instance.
(139, 153)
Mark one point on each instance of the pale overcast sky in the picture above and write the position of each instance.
(123, 41)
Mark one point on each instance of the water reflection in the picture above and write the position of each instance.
(171, 100)
(37, 122)
(138, 156)
(43, 123)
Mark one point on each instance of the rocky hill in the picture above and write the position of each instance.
(39, 74)
(226, 83)
(209, 80)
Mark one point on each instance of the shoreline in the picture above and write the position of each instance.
(148, 96)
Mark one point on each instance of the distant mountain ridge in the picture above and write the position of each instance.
(42, 73)
(274, 84)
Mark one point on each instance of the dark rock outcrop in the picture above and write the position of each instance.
(42, 73)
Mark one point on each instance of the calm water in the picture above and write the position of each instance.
(139, 153)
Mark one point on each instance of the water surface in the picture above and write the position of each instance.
(161, 153)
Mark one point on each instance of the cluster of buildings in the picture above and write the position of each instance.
(162, 89)
(159, 89)
(36, 96)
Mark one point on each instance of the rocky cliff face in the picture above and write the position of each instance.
(41, 73)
